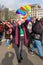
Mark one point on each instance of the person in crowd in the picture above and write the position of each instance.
(20, 37)
(8, 33)
(37, 29)
(1, 30)
(29, 27)
(21, 41)
(13, 30)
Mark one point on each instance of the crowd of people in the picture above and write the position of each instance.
(21, 33)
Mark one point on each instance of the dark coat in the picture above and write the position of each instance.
(37, 30)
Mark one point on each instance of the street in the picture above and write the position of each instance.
(8, 57)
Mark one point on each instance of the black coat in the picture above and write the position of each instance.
(37, 29)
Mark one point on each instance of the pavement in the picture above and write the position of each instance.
(8, 57)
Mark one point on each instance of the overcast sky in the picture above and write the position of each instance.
(15, 4)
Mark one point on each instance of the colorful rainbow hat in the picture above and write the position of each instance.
(26, 7)
(22, 11)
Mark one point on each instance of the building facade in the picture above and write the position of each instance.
(4, 14)
(36, 11)
(11, 14)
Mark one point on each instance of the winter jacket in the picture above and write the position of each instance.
(37, 30)
(17, 35)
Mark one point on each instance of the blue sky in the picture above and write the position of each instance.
(15, 4)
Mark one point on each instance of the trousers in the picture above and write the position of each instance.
(37, 44)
